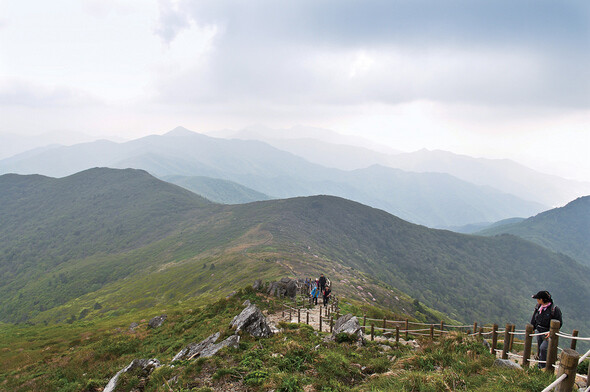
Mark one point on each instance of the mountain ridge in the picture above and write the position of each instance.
(275, 173)
(565, 229)
(467, 277)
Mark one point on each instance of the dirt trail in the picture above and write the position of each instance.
(314, 317)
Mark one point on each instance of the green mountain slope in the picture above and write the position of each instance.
(50, 223)
(181, 247)
(217, 190)
(433, 199)
(565, 230)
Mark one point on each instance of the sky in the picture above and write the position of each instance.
(499, 79)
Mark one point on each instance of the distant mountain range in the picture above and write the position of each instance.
(348, 154)
(107, 240)
(565, 230)
(432, 199)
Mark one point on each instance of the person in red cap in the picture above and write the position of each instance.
(545, 311)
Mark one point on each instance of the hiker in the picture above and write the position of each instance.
(327, 293)
(322, 282)
(307, 286)
(314, 295)
(545, 311)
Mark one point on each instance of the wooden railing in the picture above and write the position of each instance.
(566, 366)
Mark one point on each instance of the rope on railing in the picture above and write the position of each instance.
(570, 336)
(584, 357)
(554, 383)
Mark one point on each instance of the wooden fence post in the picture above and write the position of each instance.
(407, 327)
(480, 333)
(512, 327)
(431, 331)
(574, 341)
(331, 323)
(568, 364)
(506, 342)
(396, 333)
(372, 331)
(528, 343)
(307, 317)
(364, 320)
(384, 323)
(494, 338)
(298, 316)
(552, 347)
(442, 328)
(475, 327)
(320, 321)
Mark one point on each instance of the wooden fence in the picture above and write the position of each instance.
(566, 366)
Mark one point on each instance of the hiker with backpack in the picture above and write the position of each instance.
(322, 283)
(327, 293)
(315, 292)
(545, 311)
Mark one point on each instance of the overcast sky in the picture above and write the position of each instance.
(503, 79)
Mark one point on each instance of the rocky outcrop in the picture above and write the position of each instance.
(143, 366)
(252, 321)
(157, 322)
(506, 363)
(350, 325)
(206, 348)
(283, 288)
(257, 284)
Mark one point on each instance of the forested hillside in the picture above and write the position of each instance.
(565, 230)
(160, 244)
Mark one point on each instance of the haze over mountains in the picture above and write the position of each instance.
(126, 240)
(348, 154)
(434, 199)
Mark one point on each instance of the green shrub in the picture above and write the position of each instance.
(290, 384)
(583, 367)
(344, 337)
(256, 377)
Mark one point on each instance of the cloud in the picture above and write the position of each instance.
(344, 52)
(172, 20)
(20, 93)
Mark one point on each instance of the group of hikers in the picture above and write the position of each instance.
(317, 287)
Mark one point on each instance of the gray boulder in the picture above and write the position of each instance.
(157, 321)
(145, 366)
(257, 284)
(133, 326)
(232, 341)
(506, 363)
(348, 324)
(284, 287)
(252, 321)
(206, 348)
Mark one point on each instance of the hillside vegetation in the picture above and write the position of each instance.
(565, 229)
(134, 242)
(83, 356)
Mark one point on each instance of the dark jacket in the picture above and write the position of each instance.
(322, 281)
(542, 321)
